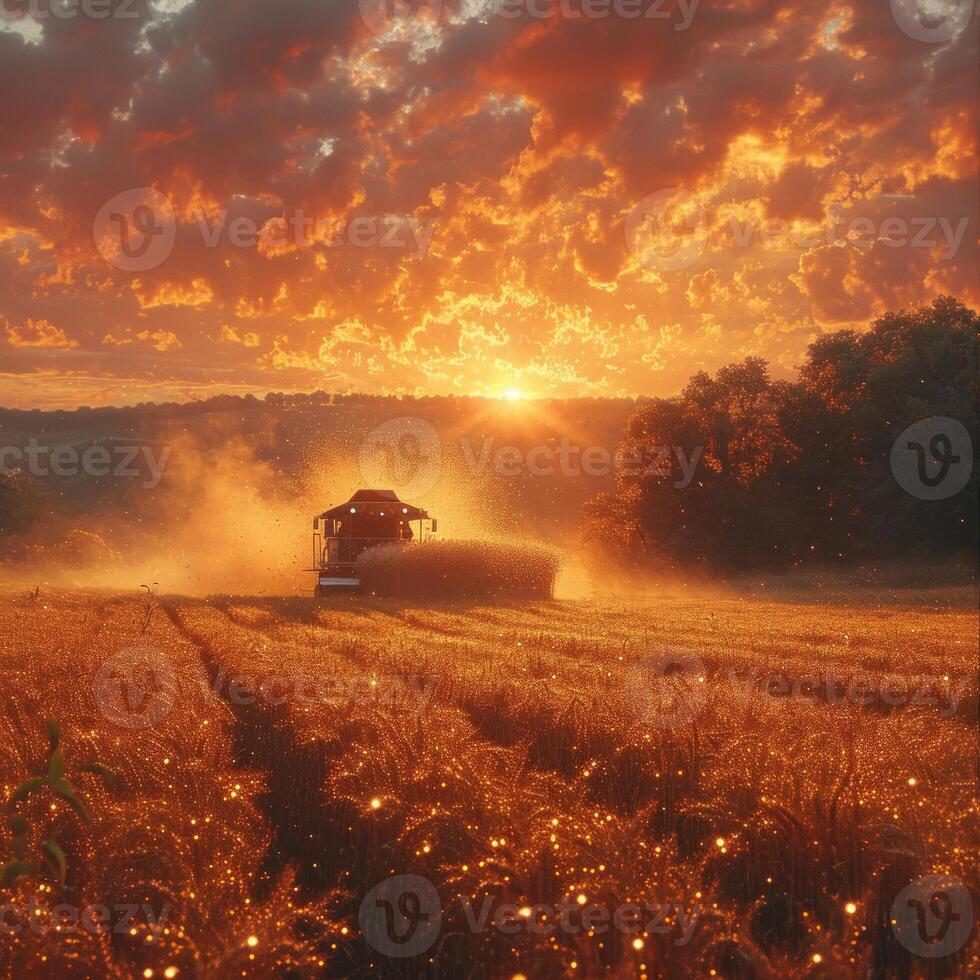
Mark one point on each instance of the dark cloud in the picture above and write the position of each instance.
(517, 148)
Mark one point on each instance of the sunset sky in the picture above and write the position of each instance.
(512, 200)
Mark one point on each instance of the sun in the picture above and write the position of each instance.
(512, 394)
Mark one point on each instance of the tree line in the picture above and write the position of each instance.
(791, 472)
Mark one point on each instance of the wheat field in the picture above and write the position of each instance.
(760, 778)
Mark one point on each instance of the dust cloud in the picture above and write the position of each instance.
(226, 519)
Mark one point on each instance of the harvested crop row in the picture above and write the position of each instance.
(680, 790)
(378, 790)
(178, 839)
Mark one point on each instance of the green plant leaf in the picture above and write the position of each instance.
(27, 787)
(13, 870)
(66, 791)
(18, 825)
(56, 765)
(19, 828)
(53, 730)
(110, 778)
(55, 856)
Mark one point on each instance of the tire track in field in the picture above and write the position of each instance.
(329, 837)
(531, 723)
(559, 737)
(325, 837)
(264, 739)
(602, 759)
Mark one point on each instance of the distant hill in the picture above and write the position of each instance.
(147, 473)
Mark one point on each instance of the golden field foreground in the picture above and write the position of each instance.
(671, 788)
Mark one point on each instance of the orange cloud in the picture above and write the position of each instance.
(38, 333)
(507, 155)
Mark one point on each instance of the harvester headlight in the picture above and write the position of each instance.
(353, 510)
(404, 510)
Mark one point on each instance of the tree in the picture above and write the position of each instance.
(794, 471)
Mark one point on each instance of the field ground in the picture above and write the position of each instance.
(763, 776)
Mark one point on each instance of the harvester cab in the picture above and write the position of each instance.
(370, 519)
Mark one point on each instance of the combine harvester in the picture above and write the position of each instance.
(377, 544)
(370, 519)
